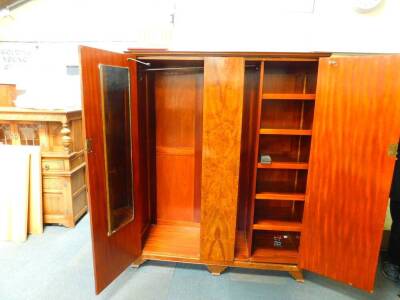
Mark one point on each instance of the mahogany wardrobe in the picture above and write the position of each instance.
(278, 161)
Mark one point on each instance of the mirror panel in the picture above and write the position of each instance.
(115, 89)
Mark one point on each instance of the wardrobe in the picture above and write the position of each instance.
(276, 161)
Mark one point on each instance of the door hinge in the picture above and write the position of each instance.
(88, 146)
(392, 150)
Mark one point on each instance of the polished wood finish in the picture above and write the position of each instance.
(59, 135)
(112, 253)
(288, 96)
(284, 165)
(263, 254)
(357, 116)
(265, 250)
(286, 148)
(281, 181)
(255, 157)
(287, 114)
(290, 77)
(260, 223)
(249, 127)
(285, 118)
(277, 225)
(241, 249)
(281, 196)
(173, 241)
(222, 122)
(286, 131)
(177, 98)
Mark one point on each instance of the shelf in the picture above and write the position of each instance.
(173, 241)
(281, 196)
(286, 131)
(265, 251)
(272, 255)
(284, 165)
(271, 225)
(287, 96)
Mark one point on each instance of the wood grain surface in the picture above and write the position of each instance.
(173, 241)
(176, 101)
(357, 116)
(222, 123)
(112, 254)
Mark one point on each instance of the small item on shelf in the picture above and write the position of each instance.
(266, 159)
(278, 241)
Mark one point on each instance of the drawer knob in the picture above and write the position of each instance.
(46, 167)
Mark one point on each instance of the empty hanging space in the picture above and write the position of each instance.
(173, 108)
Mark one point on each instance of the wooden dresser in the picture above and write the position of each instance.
(59, 133)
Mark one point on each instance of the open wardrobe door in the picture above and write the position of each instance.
(112, 140)
(355, 132)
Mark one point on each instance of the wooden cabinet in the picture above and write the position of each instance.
(175, 169)
(59, 134)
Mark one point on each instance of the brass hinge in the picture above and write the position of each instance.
(392, 150)
(88, 146)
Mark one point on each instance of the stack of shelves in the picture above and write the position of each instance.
(285, 118)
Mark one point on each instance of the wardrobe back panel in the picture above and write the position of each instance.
(177, 98)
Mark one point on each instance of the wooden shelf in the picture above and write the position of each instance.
(265, 251)
(281, 196)
(284, 165)
(173, 241)
(266, 254)
(286, 131)
(272, 225)
(273, 96)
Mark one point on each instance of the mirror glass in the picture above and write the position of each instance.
(117, 145)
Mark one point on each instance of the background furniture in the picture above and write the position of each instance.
(184, 132)
(21, 192)
(59, 134)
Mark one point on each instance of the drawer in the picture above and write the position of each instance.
(52, 165)
(54, 183)
(76, 161)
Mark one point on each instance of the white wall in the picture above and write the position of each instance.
(262, 25)
(41, 37)
(332, 26)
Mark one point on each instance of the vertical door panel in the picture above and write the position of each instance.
(111, 123)
(222, 123)
(357, 117)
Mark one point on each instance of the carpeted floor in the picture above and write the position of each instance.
(58, 265)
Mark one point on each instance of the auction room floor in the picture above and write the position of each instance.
(58, 265)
